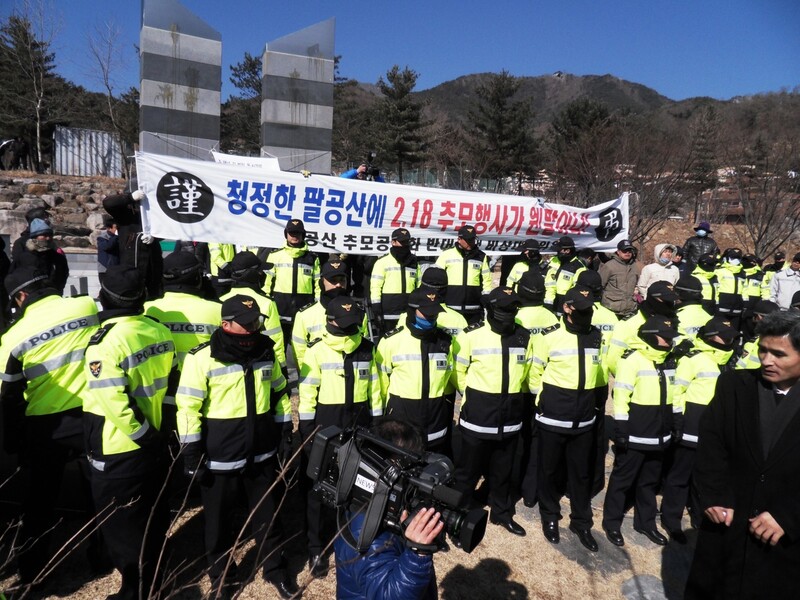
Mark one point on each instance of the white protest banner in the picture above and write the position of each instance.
(210, 202)
(253, 162)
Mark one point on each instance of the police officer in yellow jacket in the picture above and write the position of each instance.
(529, 260)
(532, 314)
(130, 362)
(231, 394)
(569, 380)
(644, 422)
(394, 276)
(492, 362)
(746, 350)
(434, 279)
(468, 275)
(562, 272)
(695, 381)
(41, 389)
(732, 280)
(691, 312)
(705, 271)
(415, 366)
(338, 386)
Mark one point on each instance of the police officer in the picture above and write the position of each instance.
(468, 275)
(747, 350)
(190, 318)
(562, 272)
(41, 389)
(731, 279)
(532, 314)
(129, 361)
(415, 365)
(293, 280)
(338, 386)
(434, 279)
(603, 318)
(530, 260)
(705, 271)
(569, 381)
(691, 313)
(231, 394)
(492, 362)
(644, 424)
(394, 277)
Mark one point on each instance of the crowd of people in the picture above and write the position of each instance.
(192, 359)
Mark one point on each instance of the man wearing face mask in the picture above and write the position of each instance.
(434, 279)
(699, 244)
(731, 279)
(231, 400)
(691, 314)
(338, 386)
(785, 283)
(532, 314)
(661, 301)
(562, 273)
(468, 275)
(753, 280)
(695, 382)
(40, 252)
(492, 363)
(415, 365)
(705, 271)
(394, 277)
(569, 381)
(529, 260)
(644, 422)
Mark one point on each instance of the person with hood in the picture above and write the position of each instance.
(662, 269)
(679, 261)
(747, 351)
(415, 366)
(394, 276)
(434, 279)
(691, 313)
(705, 272)
(619, 276)
(695, 381)
(661, 301)
(34, 213)
(40, 252)
(339, 386)
(644, 424)
(468, 275)
(699, 244)
(569, 380)
(292, 283)
(492, 363)
(731, 280)
(785, 283)
(530, 259)
(136, 248)
(562, 273)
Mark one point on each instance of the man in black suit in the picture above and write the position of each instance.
(747, 475)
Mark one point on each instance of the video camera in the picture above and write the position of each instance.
(357, 470)
(372, 171)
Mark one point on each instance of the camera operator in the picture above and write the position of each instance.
(365, 172)
(391, 568)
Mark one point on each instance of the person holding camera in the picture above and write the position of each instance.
(394, 567)
(364, 172)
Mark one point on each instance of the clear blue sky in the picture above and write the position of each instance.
(680, 48)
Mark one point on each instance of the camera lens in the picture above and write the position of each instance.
(469, 527)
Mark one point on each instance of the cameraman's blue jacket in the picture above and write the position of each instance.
(387, 571)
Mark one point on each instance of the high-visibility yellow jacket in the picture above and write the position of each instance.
(731, 286)
(293, 280)
(129, 361)
(626, 330)
(492, 375)
(748, 359)
(390, 284)
(518, 270)
(560, 279)
(309, 325)
(450, 321)
(536, 318)
(606, 321)
(691, 317)
(568, 378)
(414, 372)
(468, 277)
(710, 287)
(230, 409)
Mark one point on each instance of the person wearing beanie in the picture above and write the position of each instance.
(569, 380)
(602, 318)
(492, 363)
(136, 248)
(530, 259)
(747, 352)
(695, 381)
(42, 389)
(394, 276)
(232, 402)
(619, 276)
(248, 274)
(785, 283)
(644, 423)
(691, 313)
(131, 367)
(532, 314)
(292, 283)
(705, 271)
(435, 279)
(33, 213)
(415, 365)
(41, 253)
(679, 261)
(661, 301)
(562, 272)
(338, 386)
(699, 244)
(661, 269)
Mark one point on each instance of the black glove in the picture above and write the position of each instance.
(620, 437)
(193, 460)
(152, 439)
(286, 445)
(681, 349)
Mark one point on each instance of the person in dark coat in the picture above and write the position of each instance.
(136, 249)
(747, 475)
(699, 244)
(40, 252)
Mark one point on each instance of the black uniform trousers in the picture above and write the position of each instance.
(676, 492)
(529, 460)
(125, 505)
(220, 492)
(320, 523)
(639, 468)
(573, 452)
(495, 459)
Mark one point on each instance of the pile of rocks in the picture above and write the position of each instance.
(75, 205)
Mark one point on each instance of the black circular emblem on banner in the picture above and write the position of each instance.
(610, 224)
(184, 197)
